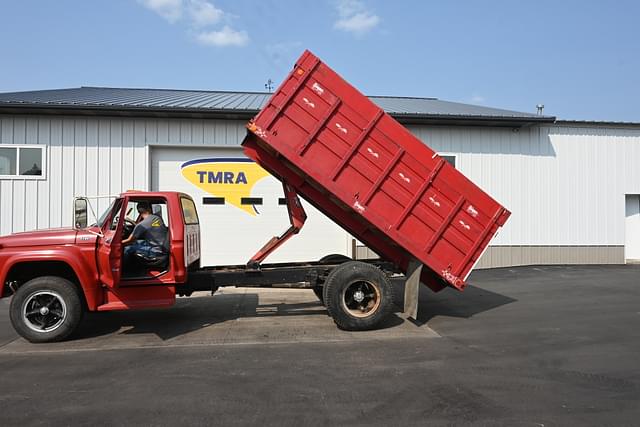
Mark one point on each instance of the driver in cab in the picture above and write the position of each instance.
(148, 238)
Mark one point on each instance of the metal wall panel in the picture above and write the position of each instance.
(564, 185)
(91, 156)
(508, 256)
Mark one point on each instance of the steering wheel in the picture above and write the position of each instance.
(128, 227)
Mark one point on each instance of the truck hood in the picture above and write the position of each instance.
(50, 237)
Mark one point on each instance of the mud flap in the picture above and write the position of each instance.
(412, 289)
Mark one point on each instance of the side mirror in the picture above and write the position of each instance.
(80, 207)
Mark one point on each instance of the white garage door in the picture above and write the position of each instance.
(239, 206)
(632, 228)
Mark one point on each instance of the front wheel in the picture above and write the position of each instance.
(358, 296)
(46, 309)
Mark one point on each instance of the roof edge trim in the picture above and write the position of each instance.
(17, 108)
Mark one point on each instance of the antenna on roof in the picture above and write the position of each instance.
(269, 85)
(540, 108)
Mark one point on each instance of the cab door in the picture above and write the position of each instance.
(110, 246)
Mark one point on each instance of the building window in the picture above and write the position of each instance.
(21, 161)
(449, 158)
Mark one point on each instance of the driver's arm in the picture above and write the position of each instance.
(136, 234)
(129, 240)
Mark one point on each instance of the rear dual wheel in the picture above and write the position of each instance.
(329, 259)
(358, 296)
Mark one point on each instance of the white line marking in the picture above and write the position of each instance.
(373, 153)
(309, 103)
(405, 178)
(450, 277)
(434, 201)
(462, 223)
(317, 88)
(472, 211)
(341, 128)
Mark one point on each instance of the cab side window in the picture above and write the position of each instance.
(189, 211)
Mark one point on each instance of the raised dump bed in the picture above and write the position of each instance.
(364, 170)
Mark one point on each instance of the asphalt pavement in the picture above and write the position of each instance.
(529, 346)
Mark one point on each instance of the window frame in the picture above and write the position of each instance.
(17, 176)
(455, 158)
(195, 209)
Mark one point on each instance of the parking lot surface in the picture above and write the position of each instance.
(530, 346)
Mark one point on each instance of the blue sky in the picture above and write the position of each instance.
(579, 58)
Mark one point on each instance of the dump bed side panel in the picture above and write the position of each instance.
(372, 176)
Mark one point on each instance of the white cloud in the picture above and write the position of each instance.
(354, 17)
(349, 7)
(224, 37)
(477, 99)
(202, 13)
(359, 23)
(171, 10)
(200, 17)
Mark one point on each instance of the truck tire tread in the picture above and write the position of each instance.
(72, 300)
(341, 277)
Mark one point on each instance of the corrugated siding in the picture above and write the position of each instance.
(91, 156)
(564, 185)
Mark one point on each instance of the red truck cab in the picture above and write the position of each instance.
(87, 261)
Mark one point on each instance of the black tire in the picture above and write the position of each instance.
(342, 298)
(335, 259)
(46, 309)
(329, 259)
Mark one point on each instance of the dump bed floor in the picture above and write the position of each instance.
(364, 170)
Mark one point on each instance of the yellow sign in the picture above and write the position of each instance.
(231, 178)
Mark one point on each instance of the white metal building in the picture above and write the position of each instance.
(573, 187)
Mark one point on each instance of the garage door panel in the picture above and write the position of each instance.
(243, 210)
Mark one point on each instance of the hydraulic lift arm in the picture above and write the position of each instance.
(297, 217)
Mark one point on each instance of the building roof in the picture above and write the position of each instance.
(221, 104)
(599, 123)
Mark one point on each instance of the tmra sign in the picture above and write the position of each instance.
(230, 178)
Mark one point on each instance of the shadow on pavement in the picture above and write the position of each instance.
(448, 302)
(195, 313)
(7, 334)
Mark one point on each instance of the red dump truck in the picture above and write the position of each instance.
(326, 142)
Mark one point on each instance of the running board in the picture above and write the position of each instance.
(138, 297)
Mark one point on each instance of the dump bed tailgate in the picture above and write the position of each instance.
(368, 173)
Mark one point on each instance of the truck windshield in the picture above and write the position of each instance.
(105, 215)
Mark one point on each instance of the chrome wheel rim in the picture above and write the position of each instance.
(44, 311)
(361, 298)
